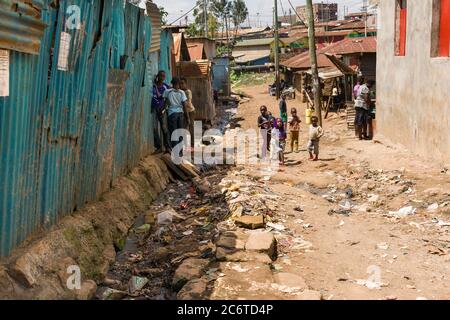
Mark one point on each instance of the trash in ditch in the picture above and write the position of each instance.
(137, 284)
(143, 229)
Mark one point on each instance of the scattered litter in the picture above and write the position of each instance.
(403, 212)
(278, 227)
(371, 284)
(383, 246)
(433, 207)
(374, 198)
(339, 211)
(188, 233)
(342, 223)
(144, 228)
(441, 223)
(438, 251)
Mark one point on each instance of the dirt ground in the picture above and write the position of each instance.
(331, 229)
(364, 252)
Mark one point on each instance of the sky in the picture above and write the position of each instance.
(177, 8)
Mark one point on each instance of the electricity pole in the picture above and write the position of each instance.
(205, 11)
(365, 17)
(313, 57)
(277, 50)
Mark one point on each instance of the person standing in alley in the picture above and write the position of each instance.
(315, 133)
(161, 138)
(362, 106)
(283, 110)
(265, 127)
(278, 142)
(177, 116)
(190, 109)
(294, 130)
(359, 82)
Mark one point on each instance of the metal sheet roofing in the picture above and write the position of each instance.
(21, 27)
(255, 42)
(250, 55)
(346, 46)
(197, 51)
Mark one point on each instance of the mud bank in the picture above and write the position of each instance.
(85, 241)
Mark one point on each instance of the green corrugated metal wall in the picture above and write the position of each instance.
(66, 136)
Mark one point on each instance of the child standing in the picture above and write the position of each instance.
(278, 140)
(315, 133)
(294, 130)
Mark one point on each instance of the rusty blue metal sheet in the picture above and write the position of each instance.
(21, 27)
(65, 137)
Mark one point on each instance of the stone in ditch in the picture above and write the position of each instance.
(263, 242)
(309, 295)
(189, 270)
(242, 256)
(110, 294)
(290, 280)
(193, 290)
(232, 240)
(250, 222)
(87, 290)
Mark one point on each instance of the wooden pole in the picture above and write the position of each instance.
(277, 50)
(313, 57)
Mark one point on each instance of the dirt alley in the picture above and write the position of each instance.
(336, 226)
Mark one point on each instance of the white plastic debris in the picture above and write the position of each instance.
(433, 207)
(278, 227)
(403, 212)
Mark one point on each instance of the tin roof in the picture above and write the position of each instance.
(346, 46)
(255, 42)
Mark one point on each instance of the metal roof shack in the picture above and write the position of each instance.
(199, 79)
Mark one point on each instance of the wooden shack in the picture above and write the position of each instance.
(199, 78)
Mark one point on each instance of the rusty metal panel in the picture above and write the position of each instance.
(155, 17)
(21, 27)
(66, 136)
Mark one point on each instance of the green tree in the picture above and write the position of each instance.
(164, 15)
(221, 10)
(197, 28)
(239, 13)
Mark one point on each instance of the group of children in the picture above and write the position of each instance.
(277, 129)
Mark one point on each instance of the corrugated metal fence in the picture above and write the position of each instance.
(65, 136)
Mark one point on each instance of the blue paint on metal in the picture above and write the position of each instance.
(221, 75)
(65, 137)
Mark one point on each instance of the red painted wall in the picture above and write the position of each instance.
(444, 34)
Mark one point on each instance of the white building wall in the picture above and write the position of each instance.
(413, 92)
